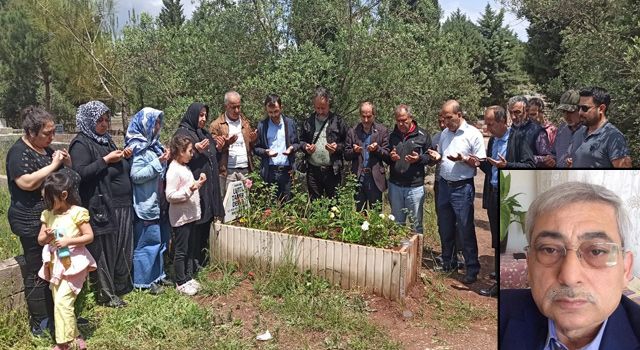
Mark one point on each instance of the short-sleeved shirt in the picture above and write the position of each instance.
(598, 149)
(26, 206)
(562, 143)
(466, 140)
(68, 222)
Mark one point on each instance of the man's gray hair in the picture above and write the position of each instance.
(516, 99)
(322, 93)
(407, 108)
(230, 94)
(574, 192)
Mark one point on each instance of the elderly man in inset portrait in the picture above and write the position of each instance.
(578, 266)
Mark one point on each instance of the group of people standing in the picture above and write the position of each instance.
(126, 203)
(120, 203)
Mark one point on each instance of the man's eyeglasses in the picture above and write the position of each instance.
(597, 255)
(584, 108)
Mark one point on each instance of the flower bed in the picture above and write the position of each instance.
(385, 272)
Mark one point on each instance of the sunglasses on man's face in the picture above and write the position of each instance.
(585, 108)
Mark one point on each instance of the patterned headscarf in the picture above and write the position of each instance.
(87, 117)
(140, 135)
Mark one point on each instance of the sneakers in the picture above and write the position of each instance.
(195, 284)
(187, 289)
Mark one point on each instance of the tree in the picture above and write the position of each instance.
(22, 51)
(500, 67)
(171, 14)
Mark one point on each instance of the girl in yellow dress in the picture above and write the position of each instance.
(66, 261)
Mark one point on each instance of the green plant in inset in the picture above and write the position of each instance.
(508, 207)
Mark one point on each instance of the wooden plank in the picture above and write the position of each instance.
(370, 269)
(345, 270)
(387, 266)
(362, 267)
(306, 255)
(329, 252)
(377, 286)
(398, 286)
(323, 249)
(353, 266)
(314, 256)
(300, 254)
(277, 249)
(336, 268)
(242, 254)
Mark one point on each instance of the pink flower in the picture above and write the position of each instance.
(248, 183)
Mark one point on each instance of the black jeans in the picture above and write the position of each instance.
(322, 181)
(36, 290)
(198, 254)
(493, 212)
(280, 176)
(182, 248)
(368, 193)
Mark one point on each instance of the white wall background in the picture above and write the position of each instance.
(625, 183)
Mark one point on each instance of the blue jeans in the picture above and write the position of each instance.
(455, 209)
(407, 200)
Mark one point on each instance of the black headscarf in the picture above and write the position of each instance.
(190, 120)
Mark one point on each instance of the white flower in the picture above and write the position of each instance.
(381, 216)
(335, 209)
(391, 217)
(332, 215)
(365, 226)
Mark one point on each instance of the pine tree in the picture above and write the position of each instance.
(500, 66)
(171, 14)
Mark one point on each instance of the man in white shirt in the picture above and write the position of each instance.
(460, 148)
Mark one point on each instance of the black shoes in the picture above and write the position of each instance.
(492, 275)
(468, 279)
(116, 302)
(491, 291)
(165, 282)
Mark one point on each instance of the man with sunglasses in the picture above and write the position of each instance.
(577, 269)
(601, 145)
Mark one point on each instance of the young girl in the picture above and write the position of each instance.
(184, 210)
(64, 233)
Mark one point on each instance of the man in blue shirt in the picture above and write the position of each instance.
(577, 268)
(502, 152)
(276, 146)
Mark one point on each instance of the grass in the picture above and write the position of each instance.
(449, 310)
(309, 304)
(298, 303)
(9, 243)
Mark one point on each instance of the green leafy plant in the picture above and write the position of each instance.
(509, 206)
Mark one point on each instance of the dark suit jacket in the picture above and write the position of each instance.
(380, 135)
(523, 327)
(291, 139)
(519, 155)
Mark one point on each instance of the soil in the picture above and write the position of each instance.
(411, 323)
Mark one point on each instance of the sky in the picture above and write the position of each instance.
(472, 8)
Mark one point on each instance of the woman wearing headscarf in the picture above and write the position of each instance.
(205, 161)
(106, 191)
(29, 161)
(147, 172)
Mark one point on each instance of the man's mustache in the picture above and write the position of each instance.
(570, 293)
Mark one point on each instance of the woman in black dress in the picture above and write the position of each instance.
(204, 160)
(104, 170)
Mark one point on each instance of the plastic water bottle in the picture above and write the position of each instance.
(64, 251)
